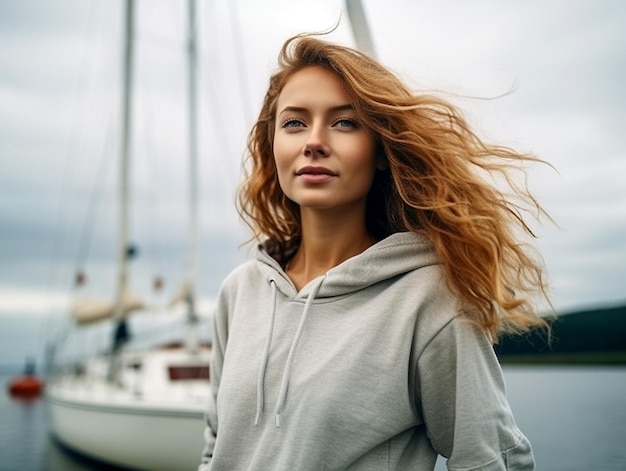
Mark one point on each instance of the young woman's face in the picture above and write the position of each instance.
(324, 158)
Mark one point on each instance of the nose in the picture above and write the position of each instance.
(315, 145)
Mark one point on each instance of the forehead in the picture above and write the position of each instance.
(313, 85)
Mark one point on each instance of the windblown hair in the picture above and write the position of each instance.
(439, 183)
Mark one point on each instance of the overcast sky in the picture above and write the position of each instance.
(59, 127)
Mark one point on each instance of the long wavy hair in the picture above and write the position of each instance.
(440, 183)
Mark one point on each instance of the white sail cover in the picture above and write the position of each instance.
(89, 311)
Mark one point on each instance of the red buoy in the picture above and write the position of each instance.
(26, 385)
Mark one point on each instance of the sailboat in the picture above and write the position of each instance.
(137, 409)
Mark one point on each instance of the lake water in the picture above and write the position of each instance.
(575, 418)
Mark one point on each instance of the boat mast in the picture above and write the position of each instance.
(123, 250)
(360, 29)
(192, 317)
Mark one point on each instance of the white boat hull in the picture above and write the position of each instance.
(148, 424)
(139, 438)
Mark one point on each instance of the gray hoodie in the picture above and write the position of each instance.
(368, 367)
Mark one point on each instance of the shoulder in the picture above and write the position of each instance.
(239, 275)
(236, 282)
(439, 310)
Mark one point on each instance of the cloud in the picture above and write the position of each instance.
(17, 301)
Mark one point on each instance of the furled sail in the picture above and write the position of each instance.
(182, 295)
(89, 311)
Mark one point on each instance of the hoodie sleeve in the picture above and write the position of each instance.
(467, 416)
(220, 334)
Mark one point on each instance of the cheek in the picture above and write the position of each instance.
(365, 161)
(279, 160)
(285, 151)
(281, 164)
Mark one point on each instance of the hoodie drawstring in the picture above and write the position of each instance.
(282, 395)
(260, 400)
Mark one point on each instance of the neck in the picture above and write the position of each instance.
(326, 242)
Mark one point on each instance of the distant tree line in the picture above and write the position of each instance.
(590, 331)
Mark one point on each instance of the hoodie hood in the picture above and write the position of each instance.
(397, 254)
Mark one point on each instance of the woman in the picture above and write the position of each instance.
(361, 335)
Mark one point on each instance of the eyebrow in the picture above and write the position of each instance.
(301, 109)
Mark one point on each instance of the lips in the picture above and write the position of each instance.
(314, 170)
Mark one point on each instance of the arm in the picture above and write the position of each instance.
(462, 395)
(220, 334)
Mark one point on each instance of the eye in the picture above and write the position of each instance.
(292, 123)
(346, 123)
